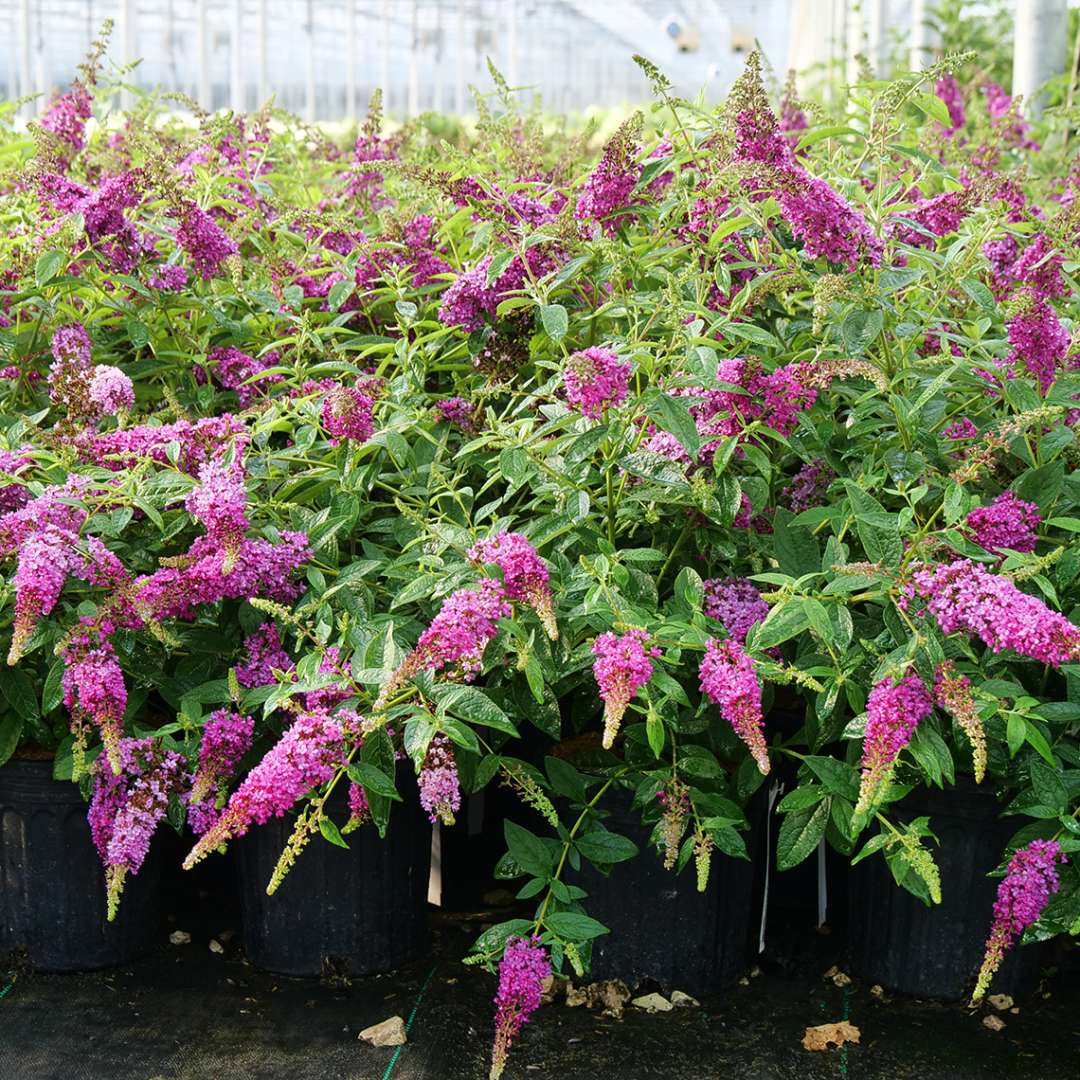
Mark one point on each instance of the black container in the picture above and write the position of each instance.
(935, 952)
(662, 928)
(359, 911)
(52, 885)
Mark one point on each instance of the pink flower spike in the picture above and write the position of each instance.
(729, 677)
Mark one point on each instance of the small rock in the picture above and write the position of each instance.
(1014, 1011)
(450, 982)
(825, 1035)
(682, 1000)
(1001, 1002)
(390, 1032)
(576, 997)
(994, 1023)
(839, 978)
(744, 981)
(652, 1003)
(179, 937)
(878, 992)
(216, 947)
(755, 971)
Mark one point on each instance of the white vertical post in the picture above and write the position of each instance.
(309, 57)
(437, 66)
(350, 59)
(1039, 48)
(260, 32)
(202, 46)
(236, 63)
(414, 75)
(875, 35)
(511, 43)
(923, 36)
(459, 60)
(853, 40)
(126, 40)
(24, 52)
(384, 55)
(41, 78)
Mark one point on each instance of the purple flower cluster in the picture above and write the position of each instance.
(965, 597)
(963, 428)
(440, 792)
(70, 371)
(948, 89)
(609, 187)
(1008, 522)
(94, 691)
(596, 380)
(307, 754)
(937, 216)
(264, 656)
(198, 441)
(219, 504)
(1038, 267)
(523, 970)
(206, 244)
(808, 486)
(952, 691)
(66, 117)
(623, 665)
(14, 463)
(126, 807)
(1031, 879)
(1039, 341)
(893, 712)
(238, 371)
(525, 577)
(347, 415)
(736, 604)
(471, 296)
(729, 677)
(456, 410)
(226, 738)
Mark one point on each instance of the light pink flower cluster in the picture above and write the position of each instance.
(893, 712)
(1008, 522)
(1032, 878)
(126, 807)
(966, 598)
(525, 577)
(219, 504)
(523, 970)
(70, 371)
(440, 792)
(307, 755)
(110, 390)
(622, 667)
(596, 380)
(728, 675)
(226, 738)
(198, 441)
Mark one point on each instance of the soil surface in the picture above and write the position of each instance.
(189, 1013)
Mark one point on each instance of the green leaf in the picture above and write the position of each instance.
(52, 693)
(796, 549)
(571, 926)
(1049, 787)
(373, 779)
(838, 777)
(11, 729)
(878, 530)
(471, 703)
(18, 690)
(601, 846)
(555, 321)
(655, 733)
(527, 850)
(673, 416)
(800, 834)
(860, 329)
(331, 832)
(378, 750)
(784, 621)
(934, 107)
(565, 779)
(339, 293)
(514, 464)
(48, 266)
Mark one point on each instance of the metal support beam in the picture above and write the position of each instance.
(350, 59)
(236, 58)
(204, 94)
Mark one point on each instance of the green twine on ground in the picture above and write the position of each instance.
(843, 1048)
(6, 990)
(408, 1024)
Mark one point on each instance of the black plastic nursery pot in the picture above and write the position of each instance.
(935, 952)
(52, 885)
(662, 929)
(358, 911)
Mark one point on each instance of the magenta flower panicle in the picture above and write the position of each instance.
(523, 971)
(728, 675)
(596, 380)
(892, 714)
(1031, 879)
(456, 637)
(525, 577)
(440, 792)
(623, 666)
